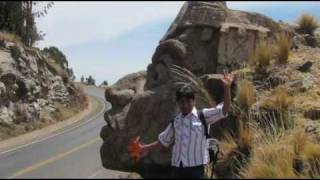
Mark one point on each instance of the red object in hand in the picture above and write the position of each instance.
(134, 149)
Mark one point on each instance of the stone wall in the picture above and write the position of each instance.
(237, 43)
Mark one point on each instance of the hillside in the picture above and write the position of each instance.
(278, 135)
(34, 90)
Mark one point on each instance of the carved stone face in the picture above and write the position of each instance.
(191, 42)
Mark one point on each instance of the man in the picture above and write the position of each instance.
(190, 153)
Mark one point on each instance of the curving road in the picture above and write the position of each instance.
(70, 153)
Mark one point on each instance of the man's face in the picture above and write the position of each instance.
(186, 105)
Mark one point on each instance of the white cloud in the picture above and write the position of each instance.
(71, 23)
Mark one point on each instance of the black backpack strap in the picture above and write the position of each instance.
(203, 121)
(214, 157)
(172, 124)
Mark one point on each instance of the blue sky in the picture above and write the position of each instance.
(111, 39)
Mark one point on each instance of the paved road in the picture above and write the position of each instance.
(73, 153)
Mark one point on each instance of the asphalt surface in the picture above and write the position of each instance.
(73, 153)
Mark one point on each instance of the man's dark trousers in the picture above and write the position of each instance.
(196, 172)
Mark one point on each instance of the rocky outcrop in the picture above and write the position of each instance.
(120, 96)
(312, 40)
(124, 90)
(305, 66)
(313, 114)
(27, 86)
(206, 37)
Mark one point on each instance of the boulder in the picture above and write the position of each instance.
(6, 116)
(33, 111)
(301, 85)
(121, 97)
(2, 89)
(122, 92)
(15, 52)
(50, 108)
(298, 40)
(42, 102)
(57, 90)
(312, 129)
(115, 118)
(305, 67)
(310, 40)
(313, 114)
(276, 79)
(140, 119)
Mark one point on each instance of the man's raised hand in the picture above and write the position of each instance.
(227, 79)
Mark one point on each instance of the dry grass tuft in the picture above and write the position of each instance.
(245, 139)
(262, 56)
(307, 24)
(5, 36)
(275, 116)
(280, 99)
(271, 160)
(292, 155)
(283, 47)
(299, 140)
(311, 157)
(236, 151)
(56, 69)
(246, 94)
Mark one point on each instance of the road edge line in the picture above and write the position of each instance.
(56, 132)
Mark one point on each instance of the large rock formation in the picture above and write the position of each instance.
(205, 38)
(121, 94)
(28, 86)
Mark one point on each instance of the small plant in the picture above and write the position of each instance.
(299, 140)
(307, 24)
(236, 151)
(276, 114)
(311, 155)
(245, 139)
(283, 47)
(56, 69)
(246, 94)
(280, 99)
(262, 56)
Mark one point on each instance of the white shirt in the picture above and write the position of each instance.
(190, 145)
